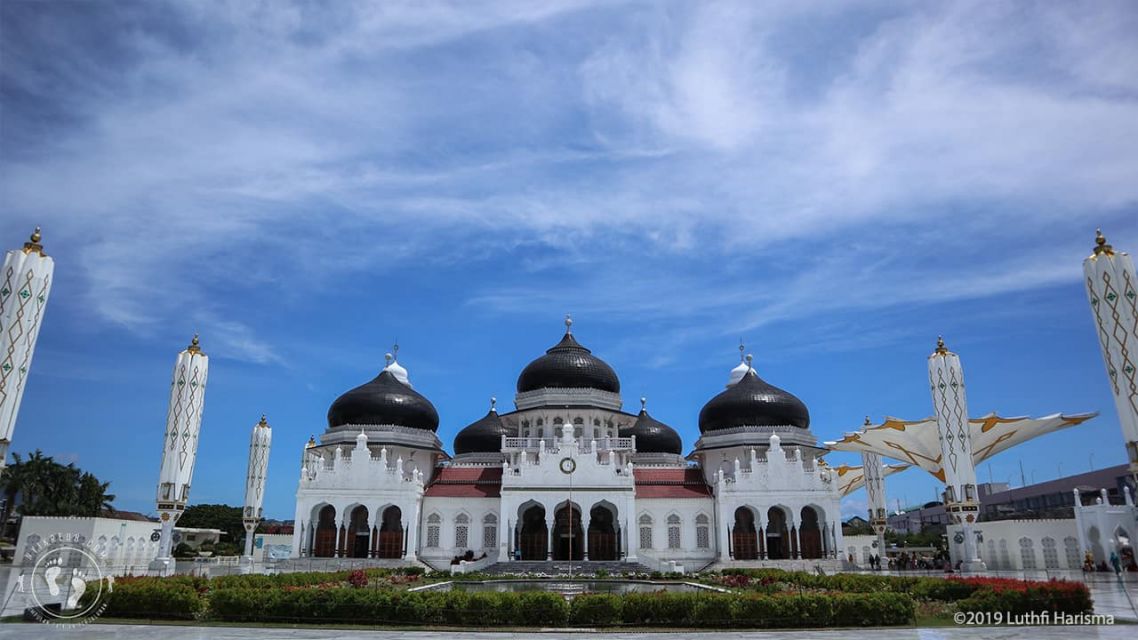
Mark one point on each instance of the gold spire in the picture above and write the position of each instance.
(940, 348)
(311, 442)
(1101, 246)
(194, 346)
(33, 245)
(263, 422)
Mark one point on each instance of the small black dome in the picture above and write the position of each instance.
(753, 402)
(482, 436)
(653, 436)
(384, 400)
(568, 365)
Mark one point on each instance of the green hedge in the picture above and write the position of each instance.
(301, 579)
(1068, 598)
(153, 598)
(541, 608)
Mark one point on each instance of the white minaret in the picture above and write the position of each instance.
(259, 443)
(24, 286)
(946, 381)
(180, 446)
(875, 494)
(1112, 288)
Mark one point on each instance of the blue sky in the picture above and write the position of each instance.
(304, 183)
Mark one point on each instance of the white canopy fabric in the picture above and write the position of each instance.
(915, 442)
(851, 478)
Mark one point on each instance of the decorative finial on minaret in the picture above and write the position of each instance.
(263, 422)
(867, 422)
(568, 323)
(387, 358)
(750, 358)
(741, 350)
(395, 351)
(311, 442)
(940, 348)
(1101, 246)
(493, 404)
(194, 347)
(643, 403)
(33, 245)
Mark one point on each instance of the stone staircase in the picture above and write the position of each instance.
(562, 567)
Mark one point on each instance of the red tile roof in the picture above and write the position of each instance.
(670, 483)
(466, 482)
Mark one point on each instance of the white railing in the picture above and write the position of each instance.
(554, 444)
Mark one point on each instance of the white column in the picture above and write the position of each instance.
(1112, 288)
(180, 445)
(25, 284)
(260, 441)
(946, 383)
(875, 495)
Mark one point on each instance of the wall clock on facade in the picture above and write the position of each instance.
(155, 537)
(568, 465)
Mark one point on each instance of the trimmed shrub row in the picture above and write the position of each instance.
(154, 599)
(970, 594)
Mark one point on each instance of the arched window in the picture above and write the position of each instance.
(646, 531)
(673, 531)
(489, 531)
(1050, 554)
(462, 531)
(702, 532)
(434, 524)
(1071, 546)
(1027, 552)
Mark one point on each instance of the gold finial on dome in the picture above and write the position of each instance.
(1101, 246)
(194, 346)
(311, 442)
(940, 348)
(33, 245)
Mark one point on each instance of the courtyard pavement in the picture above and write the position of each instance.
(146, 632)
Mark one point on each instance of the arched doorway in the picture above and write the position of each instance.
(603, 544)
(778, 537)
(359, 533)
(324, 542)
(744, 539)
(391, 534)
(568, 535)
(810, 534)
(534, 536)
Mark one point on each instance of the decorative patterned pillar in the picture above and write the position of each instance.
(1112, 288)
(180, 446)
(260, 441)
(875, 494)
(24, 287)
(946, 383)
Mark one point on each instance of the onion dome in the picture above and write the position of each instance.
(385, 400)
(482, 436)
(653, 436)
(568, 365)
(752, 402)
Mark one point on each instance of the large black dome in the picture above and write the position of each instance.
(384, 400)
(482, 436)
(568, 365)
(653, 436)
(753, 402)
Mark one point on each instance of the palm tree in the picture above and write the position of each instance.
(44, 487)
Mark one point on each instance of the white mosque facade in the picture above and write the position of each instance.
(568, 476)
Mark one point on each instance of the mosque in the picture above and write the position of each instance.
(568, 475)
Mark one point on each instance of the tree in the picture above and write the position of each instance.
(215, 516)
(40, 486)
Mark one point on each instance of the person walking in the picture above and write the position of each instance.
(1115, 563)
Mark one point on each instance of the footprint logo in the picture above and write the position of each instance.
(51, 575)
(78, 586)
